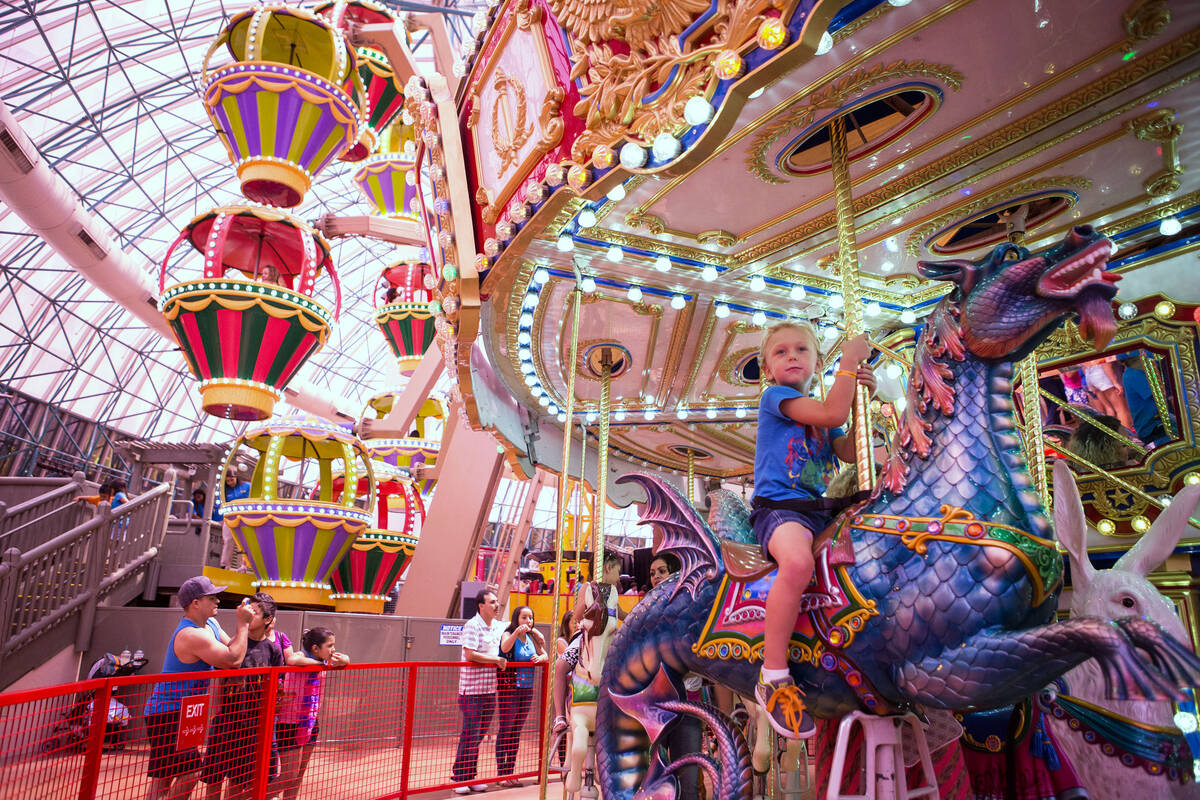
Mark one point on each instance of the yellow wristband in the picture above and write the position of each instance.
(847, 373)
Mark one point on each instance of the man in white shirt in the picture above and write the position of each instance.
(477, 686)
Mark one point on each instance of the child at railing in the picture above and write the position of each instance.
(297, 725)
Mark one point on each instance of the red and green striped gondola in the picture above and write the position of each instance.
(381, 97)
(250, 322)
(406, 316)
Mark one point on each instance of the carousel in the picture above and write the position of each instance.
(615, 202)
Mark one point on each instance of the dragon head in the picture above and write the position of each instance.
(1010, 300)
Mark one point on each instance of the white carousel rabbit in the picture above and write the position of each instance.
(1121, 591)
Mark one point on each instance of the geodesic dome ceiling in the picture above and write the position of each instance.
(109, 94)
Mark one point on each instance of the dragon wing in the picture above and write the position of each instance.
(681, 530)
(729, 516)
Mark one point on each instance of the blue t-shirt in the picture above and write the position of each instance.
(239, 492)
(791, 461)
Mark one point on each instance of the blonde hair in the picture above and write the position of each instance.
(801, 325)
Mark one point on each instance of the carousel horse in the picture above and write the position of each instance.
(1070, 736)
(939, 590)
(592, 603)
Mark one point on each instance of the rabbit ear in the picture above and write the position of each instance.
(1070, 525)
(1157, 543)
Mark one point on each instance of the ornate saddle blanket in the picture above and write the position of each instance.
(831, 611)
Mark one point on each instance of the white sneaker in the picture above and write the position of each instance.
(461, 790)
(478, 787)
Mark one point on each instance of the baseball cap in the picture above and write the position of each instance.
(195, 588)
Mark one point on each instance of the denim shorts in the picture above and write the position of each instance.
(766, 520)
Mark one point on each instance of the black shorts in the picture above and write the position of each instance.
(165, 761)
(285, 735)
(230, 749)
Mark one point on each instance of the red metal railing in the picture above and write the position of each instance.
(381, 731)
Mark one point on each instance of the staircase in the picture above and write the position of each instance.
(51, 583)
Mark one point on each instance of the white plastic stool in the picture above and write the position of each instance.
(883, 755)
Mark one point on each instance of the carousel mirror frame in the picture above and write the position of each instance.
(1168, 329)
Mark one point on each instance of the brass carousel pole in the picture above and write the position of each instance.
(864, 458)
(691, 486)
(561, 517)
(602, 464)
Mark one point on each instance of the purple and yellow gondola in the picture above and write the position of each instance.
(251, 321)
(293, 545)
(283, 107)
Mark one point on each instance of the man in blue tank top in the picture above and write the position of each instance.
(198, 644)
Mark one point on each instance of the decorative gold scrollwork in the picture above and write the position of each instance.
(1146, 18)
(1159, 126)
(509, 135)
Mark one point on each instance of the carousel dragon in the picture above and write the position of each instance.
(937, 592)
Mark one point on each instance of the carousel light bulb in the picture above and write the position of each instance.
(603, 157)
(526, 320)
(710, 413)
(901, 403)
(709, 273)
(662, 264)
(678, 302)
(523, 338)
(899, 3)
(588, 284)
(619, 415)
(1164, 309)
(525, 354)
(544, 401)
(666, 146)
(1127, 310)
(1185, 722)
(632, 155)
(634, 294)
(530, 301)
(830, 333)
(908, 316)
(681, 412)
(1170, 226)
(648, 415)
(527, 368)
(561, 416)
(697, 110)
(873, 309)
(771, 33)
(591, 416)
(827, 380)
(587, 218)
(893, 370)
(615, 253)
(758, 283)
(541, 275)
(616, 193)
(565, 243)
(1140, 524)
(740, 413)
(759, 318)
(531, 380)
(825, 45)
(836, 301)
(1191, 478)
(797, 292)
(721, 310)
(728, 64)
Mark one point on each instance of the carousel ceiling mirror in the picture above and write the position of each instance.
(1126, 419)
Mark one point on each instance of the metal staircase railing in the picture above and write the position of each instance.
(55, 587)
(39, 518)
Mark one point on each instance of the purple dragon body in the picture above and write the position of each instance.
(946, 597)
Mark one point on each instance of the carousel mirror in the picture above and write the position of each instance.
(1125, 419)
